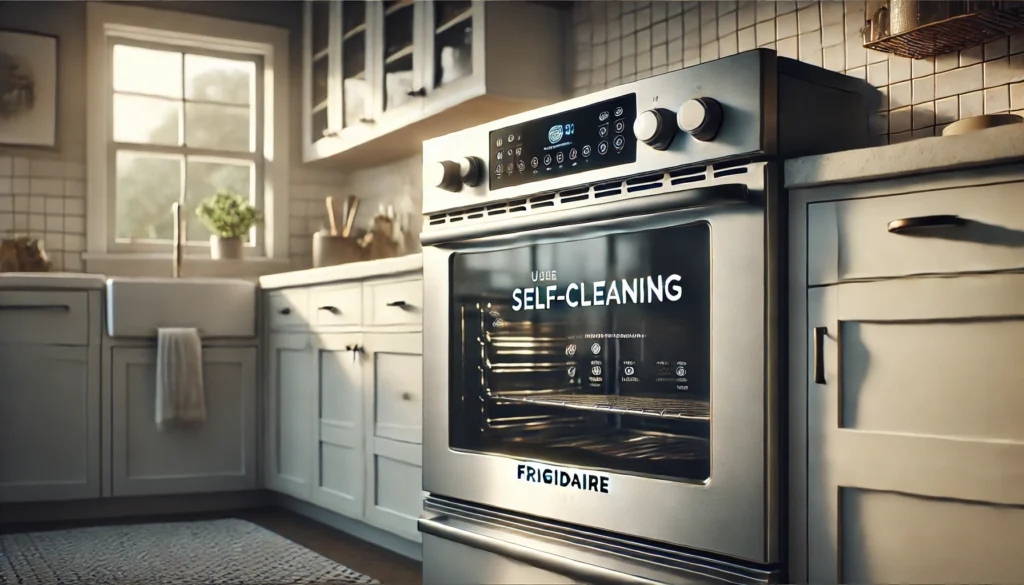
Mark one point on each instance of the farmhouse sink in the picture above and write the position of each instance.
(218, 307)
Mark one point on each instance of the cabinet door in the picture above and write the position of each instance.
(915, 441)
(338, 463)
(352, 63)
(399, 61)
(317, 82)
(454, 49)
(393, 377)
(49, 423)
(291, 383)
(216, 455)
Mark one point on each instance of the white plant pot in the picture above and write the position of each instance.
(225, 248)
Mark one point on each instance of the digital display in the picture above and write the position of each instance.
(592, 137)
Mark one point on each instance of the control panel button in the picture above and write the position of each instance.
(547, 159)
(509, 167)
(603, 116)
(511, 138)
(560, 157)
(572, 154)
(521, 166)
(620, 126)
(701, 118)
(618, 111)
(602, 147)
(499, 143)
(519, 151)
(535, 162)
(619, 142)
(655, 128)
(586, 150)
(602, 131)
(497, 169)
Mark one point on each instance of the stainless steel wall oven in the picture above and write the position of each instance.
(602, 324)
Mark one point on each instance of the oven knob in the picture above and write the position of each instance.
(700, 118)
(447, 175)
(471, 171)
(655, 128)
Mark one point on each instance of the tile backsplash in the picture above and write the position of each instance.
(619, 42)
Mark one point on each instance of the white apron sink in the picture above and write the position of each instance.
(218, 307)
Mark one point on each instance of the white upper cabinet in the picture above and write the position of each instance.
(382, 77)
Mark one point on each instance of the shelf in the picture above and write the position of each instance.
(398, 6)
(650, 406)
(355, 31)
(468, 13)
(321, 54)
(620, 444)
(399, 55)
(319, 107)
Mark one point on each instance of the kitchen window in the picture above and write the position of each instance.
(180, 107)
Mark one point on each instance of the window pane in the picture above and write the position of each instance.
(204, 179)
(146, 120)
(219, 80)
(147, 71)
(217, 127)
(147, 186)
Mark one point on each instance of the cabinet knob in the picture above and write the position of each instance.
(285, 311)
(328, 133)
(406, 396)
(421, 92)
(910, 224)
(330, 309)
(401, 304)
(367, 120)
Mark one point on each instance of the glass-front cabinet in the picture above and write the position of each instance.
(376, 68)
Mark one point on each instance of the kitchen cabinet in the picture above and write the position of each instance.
(344, 397)
(288, 454)
(907, 320)
(50, 398)
(213, 456)
(338, 457)
(381, 77)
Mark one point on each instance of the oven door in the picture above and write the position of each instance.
(607, 367)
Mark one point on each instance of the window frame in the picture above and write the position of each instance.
(108, 24)
(255, 247)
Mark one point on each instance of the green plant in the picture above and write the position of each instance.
(228, 214)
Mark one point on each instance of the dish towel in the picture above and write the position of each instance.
(180, 399)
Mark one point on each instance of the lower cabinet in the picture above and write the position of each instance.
(339, 459)
(394, 487)
(49, 423)
(290, 403)
(915, 441)
(217, 455)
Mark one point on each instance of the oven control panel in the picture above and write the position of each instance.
(595, 136)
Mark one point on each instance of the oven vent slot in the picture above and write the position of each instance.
(574, 195)
(644, 183)
(455, 218)
(684, 176)
(437, 219)
(732, 171)
(574, 198)
(607, 190)
(517, 206)
(541, 198)
(475, 213)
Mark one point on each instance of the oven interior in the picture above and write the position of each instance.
(591, 353)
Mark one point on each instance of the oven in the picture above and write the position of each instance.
(603, 317)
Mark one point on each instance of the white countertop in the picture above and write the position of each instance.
(998, 145)
(51, 280)
(353, 271)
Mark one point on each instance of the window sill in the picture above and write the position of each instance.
(158, 264)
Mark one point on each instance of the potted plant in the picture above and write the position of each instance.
(230, 217)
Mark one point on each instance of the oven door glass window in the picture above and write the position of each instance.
(592, 353)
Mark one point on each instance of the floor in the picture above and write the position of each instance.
(383, 565)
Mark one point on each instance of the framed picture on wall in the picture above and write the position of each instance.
(28, 89)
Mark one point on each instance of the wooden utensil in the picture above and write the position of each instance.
(331, 215)
(352, 208)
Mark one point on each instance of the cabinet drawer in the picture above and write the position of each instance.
(397, 378)
(394, 303)
(854, 239)
(46, 318)
(288, 309)
(333, 306)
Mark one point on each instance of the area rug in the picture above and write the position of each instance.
(218, 552)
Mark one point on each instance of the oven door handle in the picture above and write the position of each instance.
(447, 528)
(684, 199)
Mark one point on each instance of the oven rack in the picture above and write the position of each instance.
(652, 406)
(628, 444)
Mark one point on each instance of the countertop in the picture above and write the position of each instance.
(51, 280)
(998, 145)
(353, 271)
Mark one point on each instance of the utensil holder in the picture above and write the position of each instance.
(331, 250)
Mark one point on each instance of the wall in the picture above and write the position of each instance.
(42, 191)
(618, 42)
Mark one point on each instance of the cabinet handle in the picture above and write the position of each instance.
(332, 310)
(401, 304)
(909, 224)
(367, 120)
(328, 133)
(52, 308)
(406, 396)
(285, 311)
(418, 92)
(819, 354)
